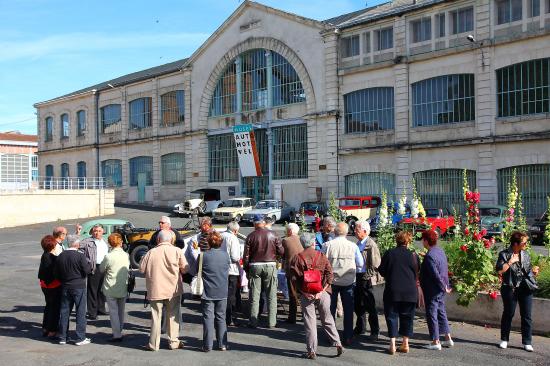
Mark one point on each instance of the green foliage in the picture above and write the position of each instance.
(303, 225)
(547, 228)
(543, 280)
(333, 208)
(386, 236)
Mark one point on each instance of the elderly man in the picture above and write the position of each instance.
(367, 277)
(71, 269)
(326, 234)
(162, 266)
(311, 259)
(260, 260)
(95, 249)
(59, 233)
(292, 246)
(231, 244)
(166, 224)
(344, 257)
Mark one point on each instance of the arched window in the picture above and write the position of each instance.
(173, 168)
(140, 113)
(370, 184)
(443, 99)
(64, 125)
(49, 129)
(110, 118)
(369, 110)
(533, 184)
(49, 171)
(442, 188)
(172, 107)
(64, 170)
(111, 171)
(81, 169)
(256, 79)
(81, 122)
(141, 165)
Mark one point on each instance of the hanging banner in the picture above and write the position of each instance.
(245, 142)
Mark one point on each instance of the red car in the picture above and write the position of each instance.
(437, 219)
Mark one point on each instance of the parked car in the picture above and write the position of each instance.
(109, 226)
(308, 210)
(493, 219)
(356, 208)
(202, 201)
(275, 209)
(437, 219)
(395, 218)
(536, 230)
(233, 209)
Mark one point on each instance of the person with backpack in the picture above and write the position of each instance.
(312, 275)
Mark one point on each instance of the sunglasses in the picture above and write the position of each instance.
(162, 222)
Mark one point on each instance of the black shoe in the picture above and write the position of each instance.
(115, 340)
(358, 331)
(252, 326)
(102, 313)
(91, 317)
(290, 321)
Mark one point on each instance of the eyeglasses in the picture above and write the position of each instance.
(162, 222)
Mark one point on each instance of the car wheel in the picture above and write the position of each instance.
(237, 218)
(137, 254)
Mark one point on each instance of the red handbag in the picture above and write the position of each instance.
(312, 277)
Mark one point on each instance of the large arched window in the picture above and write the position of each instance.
(533, 184)
(173, 168)
(442, 188)
(256, 79)
(369, 110)
(370, 183)
(443, 99)
(141, 165)
(111, 171)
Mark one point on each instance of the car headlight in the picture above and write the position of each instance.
(534, 228)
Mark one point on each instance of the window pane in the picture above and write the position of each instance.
(421, 30)
(287, 87)
(350, 46)
(141, 165)
(462, 20)
(440, 24)
(290, 152)
(172, 107)
(223, 165)
(49, 128)
(81, 169)
(64, 125)
(369, 110)
(111, 170)
(110, 118)
(140, 113)
(370, 184)
(81, 122)
(385, 39)
(173, 168)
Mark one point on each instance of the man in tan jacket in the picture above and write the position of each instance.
(162, 267)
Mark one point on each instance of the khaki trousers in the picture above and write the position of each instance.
(173, 319)
(310, 321)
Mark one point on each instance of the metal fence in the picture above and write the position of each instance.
(54, 183)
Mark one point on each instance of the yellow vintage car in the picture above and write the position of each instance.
(356, 208)
(233, 209)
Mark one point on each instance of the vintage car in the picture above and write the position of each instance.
(492, 219)
(233, 209)
(275, 209)
(437, 219)
(109, 226)
(395, 218)
(308, 210)
(537, 229)
(355, 208)
(202, 201)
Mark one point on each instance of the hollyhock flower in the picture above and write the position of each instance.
(493, 295)
(468, 195)
(477, 236)
(475, 197)
(486, 244)
(464, 248)
(466, 231)
(483, 232)
(492, 240)
(509, 219)
(511, 211)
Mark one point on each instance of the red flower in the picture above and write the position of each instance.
(483, 232)
(493, 295)
(450, 274)
(487, 243)
(468, 196)
(466, 231)
(464, 248)
(475, 197)
(477, 236)
(492, 240)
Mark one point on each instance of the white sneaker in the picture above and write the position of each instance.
(503, 345)
(62, 342)
(528, 347)
(434, 347)
(84, 342)
(448, 343)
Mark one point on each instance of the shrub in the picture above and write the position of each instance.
(543, 280)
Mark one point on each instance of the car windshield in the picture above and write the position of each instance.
(432, 212)
(266, 204)
(233, 203)
(489, 211)
(310, 206)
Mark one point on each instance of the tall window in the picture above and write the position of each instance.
(442, 188)
(223, 165)
(49, 171)
(140, 113)
(349, 46)
(34, 168)
(523, 88)
(173, 168)
(250, 74)
(533, 184)
(421, 30)
(172, 108)
(290, 152)
(462, 20)
(81, 122)
(81, 169)
(366, 184)
(443, 99)
(384, 39)
(440, 25)
(110, 118)
(49, 129)
(533, 8)
(111, 171)
(141, 166)
(64, 125)
(64, 170)
(508, 10)
(366, 42)
(369, 110)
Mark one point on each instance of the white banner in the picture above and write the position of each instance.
(247, 152)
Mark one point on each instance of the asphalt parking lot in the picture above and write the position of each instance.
(22, 305)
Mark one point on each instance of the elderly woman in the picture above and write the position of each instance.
(434, 280)
(51, 287)
(399, 268)
(311, 259)
(518, 282)
(116, 265)
(215, 277)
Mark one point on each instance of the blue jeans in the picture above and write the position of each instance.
(436, 315)
(72, 297)
(399, 314)
(346, 294)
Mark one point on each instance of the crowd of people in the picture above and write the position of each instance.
(324, 271)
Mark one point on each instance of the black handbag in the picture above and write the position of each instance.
(530, 281)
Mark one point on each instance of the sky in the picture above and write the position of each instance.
(49, 48)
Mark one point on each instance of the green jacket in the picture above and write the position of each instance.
(115, 265)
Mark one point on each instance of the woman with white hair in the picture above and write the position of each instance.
(312, 275)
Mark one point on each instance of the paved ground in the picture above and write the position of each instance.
(22, 305)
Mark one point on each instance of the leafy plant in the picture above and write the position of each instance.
(547, 228)
(386, 236)
(334, 210)
(543, 280)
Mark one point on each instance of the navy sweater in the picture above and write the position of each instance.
(72, 268)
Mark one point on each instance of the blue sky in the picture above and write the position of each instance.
(53, 47)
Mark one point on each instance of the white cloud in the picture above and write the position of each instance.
(84, 42)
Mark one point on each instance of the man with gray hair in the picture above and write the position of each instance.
(166, 224)
(231, 244)
(95, 248)
(292, 246)
(312, 260)
(345, 258)
(71, 269)
(367, 277)
(326, 233)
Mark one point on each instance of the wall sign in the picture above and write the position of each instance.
(245, 143)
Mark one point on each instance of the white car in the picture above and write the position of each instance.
(275, 209)
(202, 201)
(233, 209)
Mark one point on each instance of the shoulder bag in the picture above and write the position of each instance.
(313, 283)
(420, 303)
(196, 284)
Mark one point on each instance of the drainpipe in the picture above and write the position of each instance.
(337, 116)
(96, 107)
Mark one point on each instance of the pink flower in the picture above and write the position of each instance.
(511, 211)
(477, 236)
(475, 197)
(509, 219)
